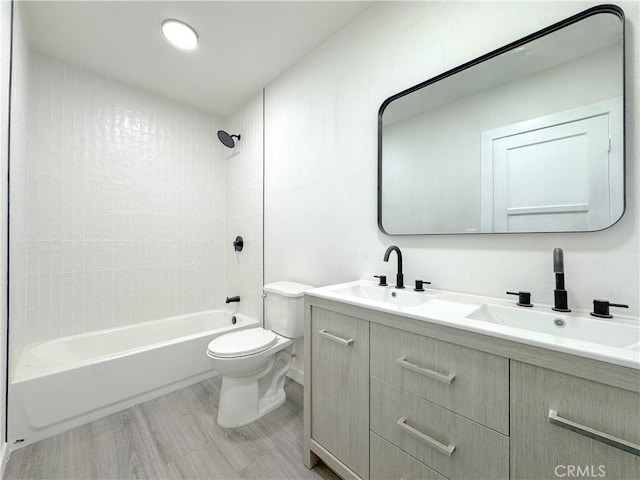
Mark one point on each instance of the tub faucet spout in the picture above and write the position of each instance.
(232, 299)
(399, 275)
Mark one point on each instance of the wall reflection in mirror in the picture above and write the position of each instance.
(529, 138)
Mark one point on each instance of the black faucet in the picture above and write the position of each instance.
(559, 294)
(232, 299)
(399, 275)
(601, 308)
(524, 298)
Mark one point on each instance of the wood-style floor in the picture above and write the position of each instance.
(174, 436)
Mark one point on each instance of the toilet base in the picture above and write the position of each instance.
(244, 400)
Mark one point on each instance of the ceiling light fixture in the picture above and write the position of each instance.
(180, 34)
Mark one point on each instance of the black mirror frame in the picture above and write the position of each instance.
(606, 8)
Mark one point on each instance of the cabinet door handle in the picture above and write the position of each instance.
(436, 445)
(342, 341)
(441, 377)
(555, 419)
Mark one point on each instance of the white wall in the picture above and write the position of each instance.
(321, 161)
(123, 196)
(243, 212)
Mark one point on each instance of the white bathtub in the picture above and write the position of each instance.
(70, 381)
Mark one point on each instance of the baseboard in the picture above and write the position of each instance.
(296, 375)
(4, 458)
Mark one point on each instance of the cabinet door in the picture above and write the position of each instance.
(340, 387)
(564, 426)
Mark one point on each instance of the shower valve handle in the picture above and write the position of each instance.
(238, 244)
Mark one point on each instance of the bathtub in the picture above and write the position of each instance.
(63, 383)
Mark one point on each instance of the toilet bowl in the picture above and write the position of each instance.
(254, 362)
(253, 368)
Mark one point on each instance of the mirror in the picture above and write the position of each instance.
(528, 138)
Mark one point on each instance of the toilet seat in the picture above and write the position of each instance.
(242, 343)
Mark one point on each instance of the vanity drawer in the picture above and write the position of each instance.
(388, 462)
(469, 382)
(454, 446)
(562, 424)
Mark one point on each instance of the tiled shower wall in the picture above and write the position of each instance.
(124, 201)
(243, 180)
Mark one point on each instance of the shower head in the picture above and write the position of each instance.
(228, 140)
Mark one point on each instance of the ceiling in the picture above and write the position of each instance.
(243, 45)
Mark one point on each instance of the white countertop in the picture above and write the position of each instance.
(452, 309)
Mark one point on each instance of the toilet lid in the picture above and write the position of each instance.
(242, 342)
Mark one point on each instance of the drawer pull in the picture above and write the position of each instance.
(601, 437)
(441, 377)
(340, 340)
(436, 445)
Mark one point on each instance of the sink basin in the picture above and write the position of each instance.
(570, 326)
(389, 295)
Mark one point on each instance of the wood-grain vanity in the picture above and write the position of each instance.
(393, 397)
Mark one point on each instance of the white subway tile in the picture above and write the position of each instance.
(116, 193)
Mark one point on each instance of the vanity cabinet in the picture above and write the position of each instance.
(391, 397)
(340, 387)
(565, 426)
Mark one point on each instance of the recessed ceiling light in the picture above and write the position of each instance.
(180, 34)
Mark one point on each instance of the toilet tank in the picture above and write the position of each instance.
(284, 308)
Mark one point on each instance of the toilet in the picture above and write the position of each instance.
(254, 362)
